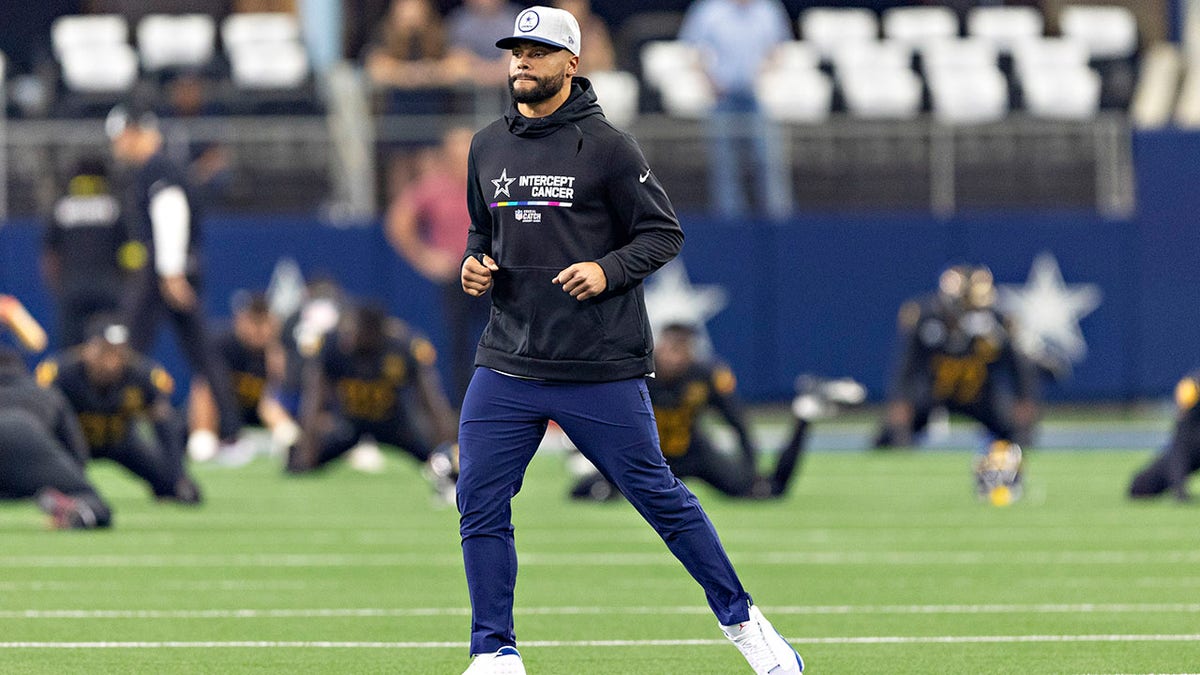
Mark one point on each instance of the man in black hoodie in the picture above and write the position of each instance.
(566, 221)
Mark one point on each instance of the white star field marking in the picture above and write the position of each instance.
(502, 184)
(1048, 311)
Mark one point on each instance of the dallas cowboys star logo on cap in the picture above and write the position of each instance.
(528, 21)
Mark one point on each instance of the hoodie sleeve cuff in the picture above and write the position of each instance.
(613, 271)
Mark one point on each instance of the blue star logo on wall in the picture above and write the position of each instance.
(1048, 312)
(502, 184)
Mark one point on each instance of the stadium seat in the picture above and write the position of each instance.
(795, 94)
(269, 66)
(266, 55)
(967, 53)
(966, 85)
(968, 96)
(826, 28)
(1067, 93)
(1107, 32)
(672, 68)
(662, 60)
(690, 95)
(176, 41)
(878, 94)
(75, 32)
(100, 69)
(1048, 54)
(918, 25)
(239, 30)
(796, 54)
(1005, 26)
(617, 92)
(885, 55)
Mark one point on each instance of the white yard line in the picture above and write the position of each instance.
(863, 640)
(372, 612)
(640, 559)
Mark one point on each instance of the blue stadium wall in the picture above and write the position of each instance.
(817, 293)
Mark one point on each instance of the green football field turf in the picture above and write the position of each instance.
(876, 563)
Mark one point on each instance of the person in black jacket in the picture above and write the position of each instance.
(43, 452)
(164, 221)
(1169, 471)
(567, 218)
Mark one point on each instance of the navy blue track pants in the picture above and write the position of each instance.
(503, 421)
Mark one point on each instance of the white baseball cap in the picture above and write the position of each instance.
(547, 25)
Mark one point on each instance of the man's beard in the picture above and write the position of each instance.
(545, 89)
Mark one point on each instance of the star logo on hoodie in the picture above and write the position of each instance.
(502, 184)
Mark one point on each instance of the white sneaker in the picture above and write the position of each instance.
(202, 445)
(764, 648)
(366, 458)
(506, 661)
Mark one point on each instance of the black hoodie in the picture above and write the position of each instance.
(545, 193)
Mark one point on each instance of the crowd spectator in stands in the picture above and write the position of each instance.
(737, 39)
(472, 30)
(427, 224)
(360, 21)
(405, 57)
(593, 32)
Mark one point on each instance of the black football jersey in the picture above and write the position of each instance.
(374, 387)
(106, 413)
(247, 371)
(679, 403)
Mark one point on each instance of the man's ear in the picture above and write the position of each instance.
(573, 66)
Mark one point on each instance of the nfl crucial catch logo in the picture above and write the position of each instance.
(528, 216)
(528, 21)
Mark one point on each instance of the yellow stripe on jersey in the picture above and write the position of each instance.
(1187, 393)
(724, 381)
(423, 351)
(132, 255)
(162, 380)
(46, 373)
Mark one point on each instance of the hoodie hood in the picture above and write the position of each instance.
(580, 105)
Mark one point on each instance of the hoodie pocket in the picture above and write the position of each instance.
(536, 318)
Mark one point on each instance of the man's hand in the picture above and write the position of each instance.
(178, 293)
(583, 280)
(476, 276)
